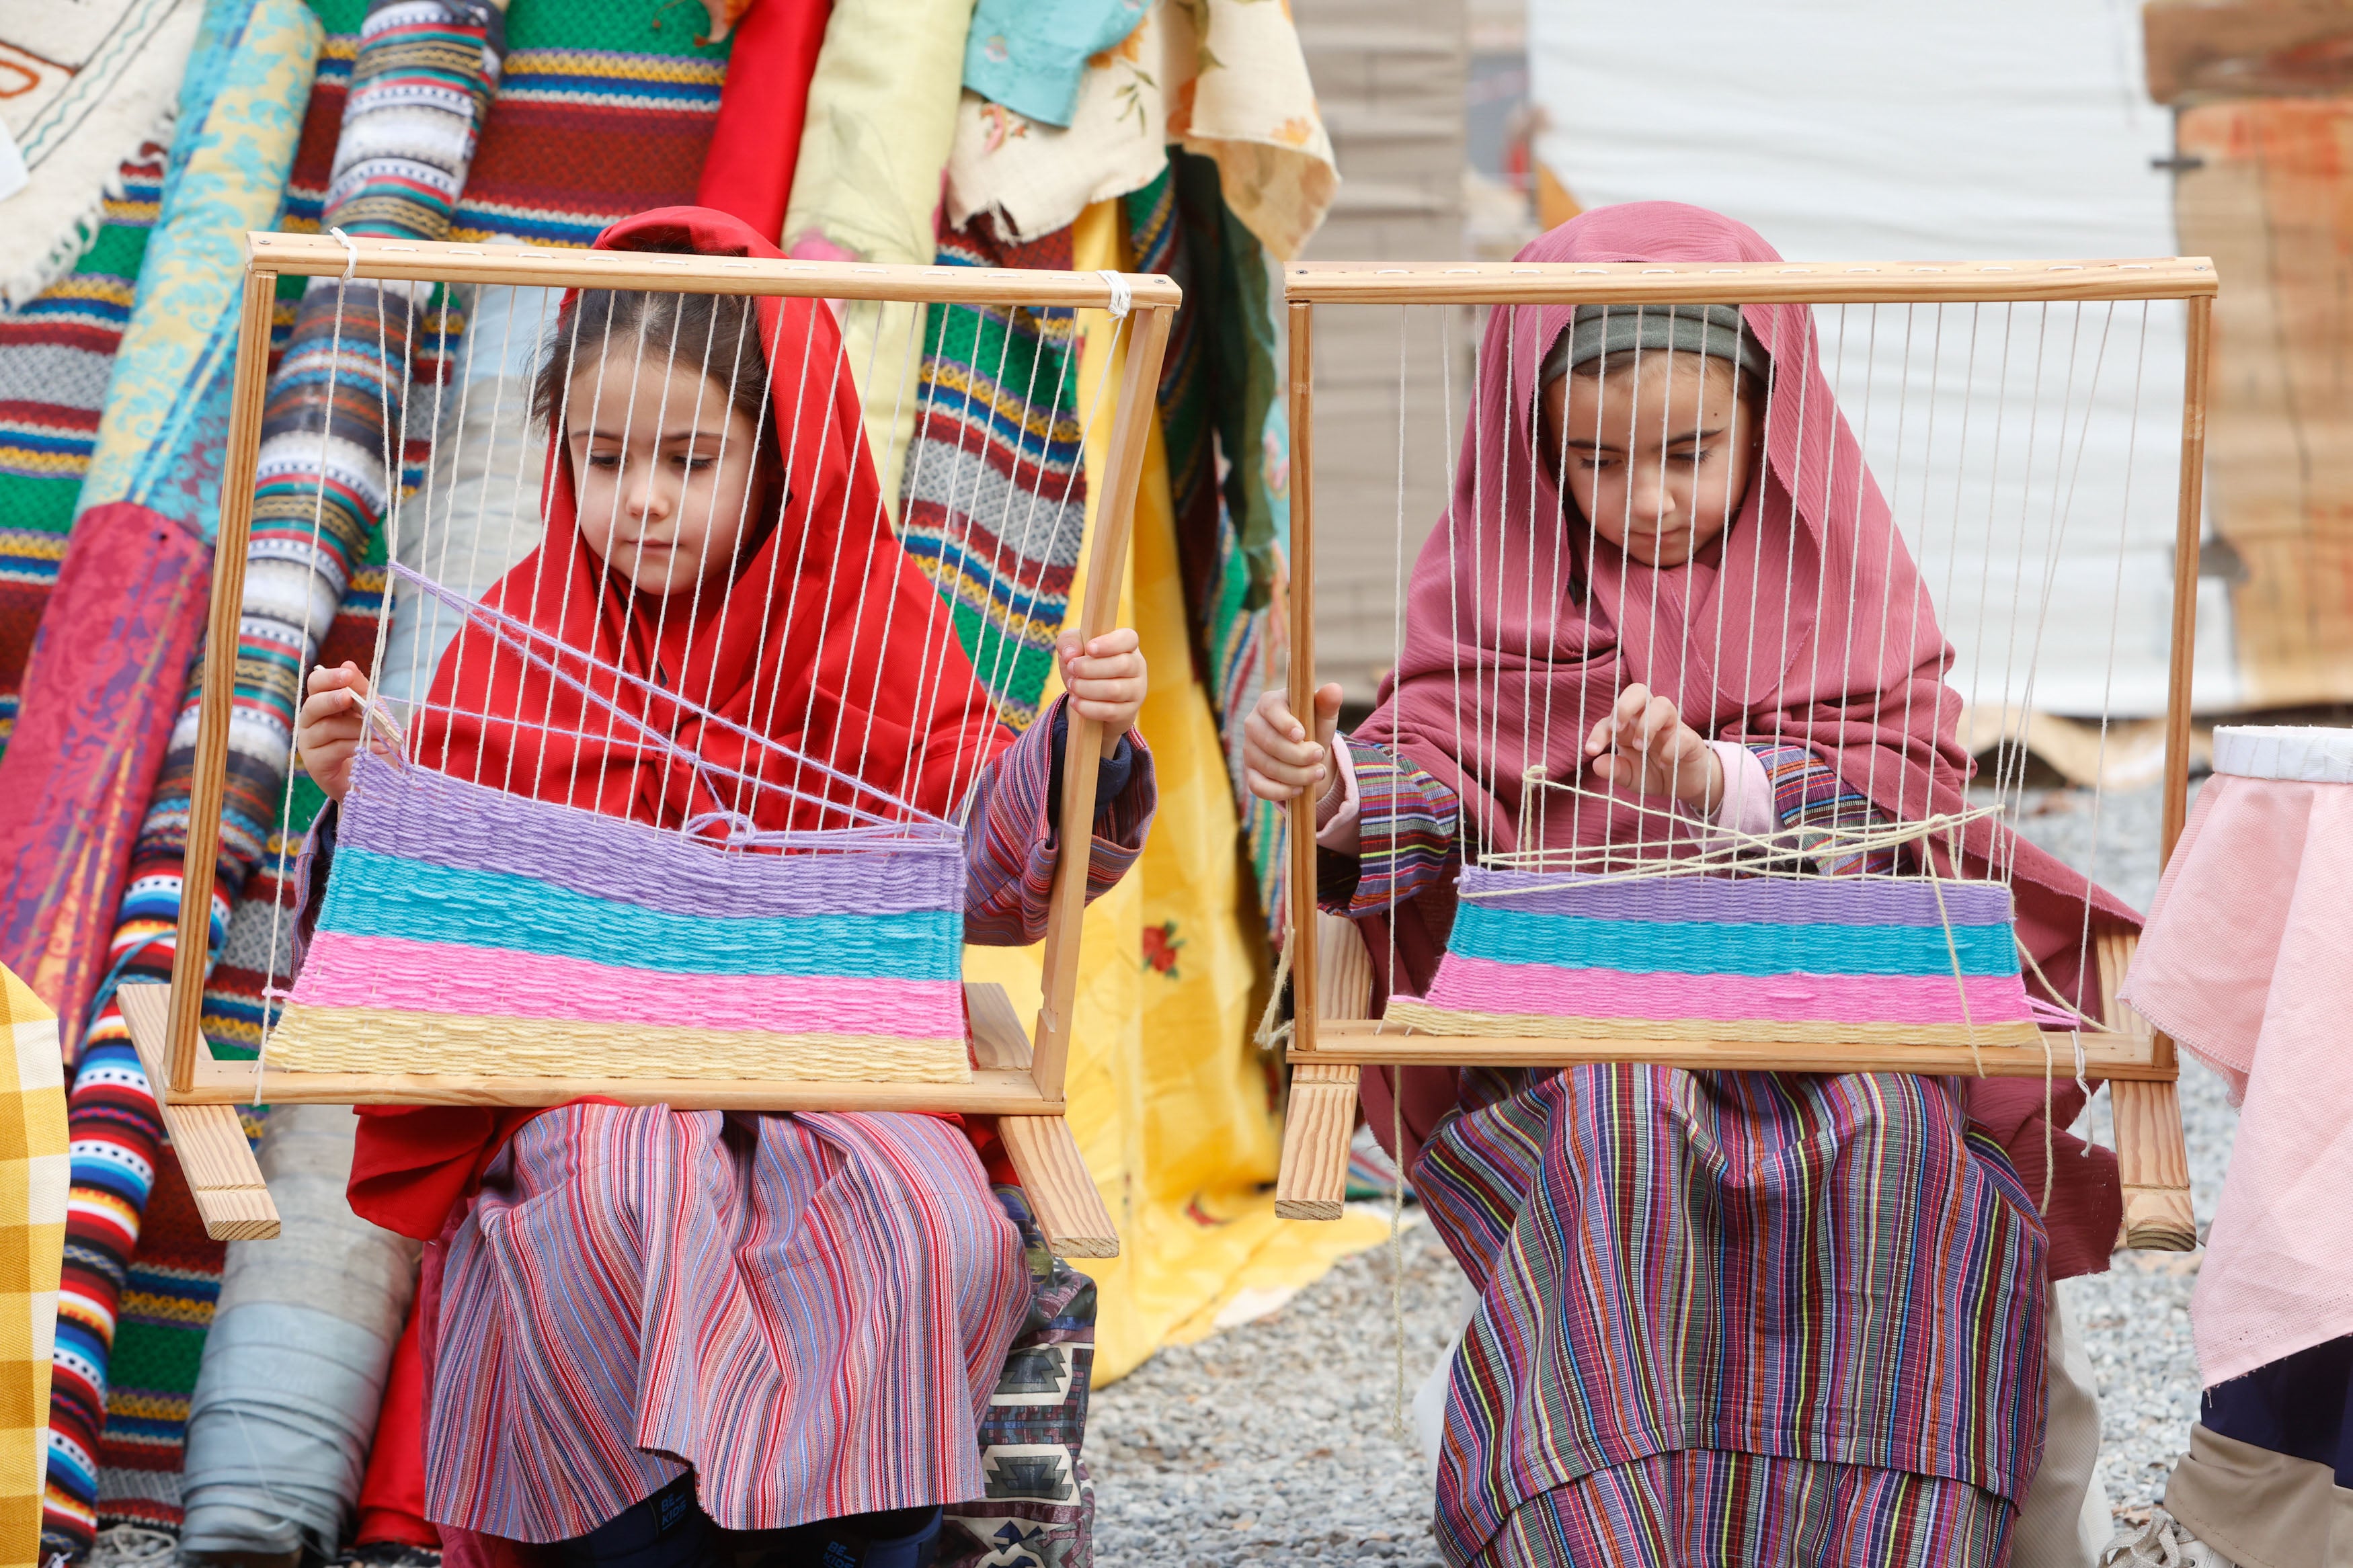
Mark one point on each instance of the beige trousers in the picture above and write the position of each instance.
(2260, 1509)
(2064, 1522)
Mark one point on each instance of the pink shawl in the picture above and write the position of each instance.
(1806, 621)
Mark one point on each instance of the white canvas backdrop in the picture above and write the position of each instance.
(1865, 130)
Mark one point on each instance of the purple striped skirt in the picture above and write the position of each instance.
(1705, 1508)
(808, 1311)
(1825, 1268)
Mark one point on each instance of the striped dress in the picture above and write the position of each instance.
(1724, 1318)
(808, 1311)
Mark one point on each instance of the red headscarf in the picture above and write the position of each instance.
(1805, 621)
(827, 640)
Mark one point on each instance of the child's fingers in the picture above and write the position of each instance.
(1632, 703)
(331, 711)
(1271, 712)
(1327, 713)
(1116, 666)
(1266, 788)
(1659, 724)
(1271, 725)
(345, 676)
(1121, 640)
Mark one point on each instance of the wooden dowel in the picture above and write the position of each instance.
(2106, 1057)
(1300, 937)
(1106, 571)
(2188, 525)
(209, 775)
(1745, 283)
(319, 256)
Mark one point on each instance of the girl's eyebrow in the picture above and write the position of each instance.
(1582, 445)
(695, 434)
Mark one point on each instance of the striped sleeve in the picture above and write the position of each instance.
(1806, 794)
(1012, 842)
(1405, 834)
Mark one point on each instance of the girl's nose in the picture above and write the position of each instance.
(646, 499)
(1649, 501)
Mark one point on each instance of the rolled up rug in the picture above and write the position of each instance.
(295, 1365)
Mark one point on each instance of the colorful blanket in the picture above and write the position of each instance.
(1222, 423)
(1039, 1506)
(165, 422)
(87, 84)
(33, 1180)
(881, 111)
(56, 354)
(995, 498)
(605, 109)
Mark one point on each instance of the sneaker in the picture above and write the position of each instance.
(388, 1554)
(2162, 1543)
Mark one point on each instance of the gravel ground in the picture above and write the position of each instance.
(1273, 1441)
(2135, 1317)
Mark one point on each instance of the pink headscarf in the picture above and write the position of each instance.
(1806, 622)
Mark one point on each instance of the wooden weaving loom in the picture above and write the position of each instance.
(2027, 329)
(994, 1067)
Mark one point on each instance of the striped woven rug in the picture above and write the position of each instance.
(996, 495)
(55, 356)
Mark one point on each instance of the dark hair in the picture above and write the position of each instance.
(719, 333)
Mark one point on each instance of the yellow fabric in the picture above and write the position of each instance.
(1168, 1098)
(881, 114)
(33, 1175)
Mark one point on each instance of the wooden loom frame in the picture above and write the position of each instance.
(1334, 1035)
(1019, 1083)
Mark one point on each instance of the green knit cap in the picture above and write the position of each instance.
(1614, 330)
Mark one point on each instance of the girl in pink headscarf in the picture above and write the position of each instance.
(1724, 1318)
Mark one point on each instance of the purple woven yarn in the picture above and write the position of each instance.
(417, 813)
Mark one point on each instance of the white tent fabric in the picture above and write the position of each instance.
(1847, 131)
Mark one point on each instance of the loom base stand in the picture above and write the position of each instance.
(223, 1175)
(227, 1180)
(1311, 1183)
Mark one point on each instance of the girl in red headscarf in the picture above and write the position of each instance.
(1726, 1318)
(653, 1327)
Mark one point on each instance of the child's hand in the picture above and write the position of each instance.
(1278, 759)
(1644, 746)
(327, 730)
(1106, 681)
